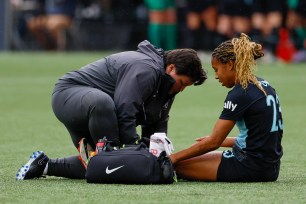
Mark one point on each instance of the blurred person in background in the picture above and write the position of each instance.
(267, 19)
(22, 11)
(233, 18)
(296, 24)
(162, 28)
(49, 27)
(202, 22)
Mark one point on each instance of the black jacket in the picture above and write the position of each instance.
(137, 82)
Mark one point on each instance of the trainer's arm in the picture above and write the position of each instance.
(135, 84)
(213, 141)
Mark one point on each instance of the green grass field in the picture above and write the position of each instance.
(27, 124)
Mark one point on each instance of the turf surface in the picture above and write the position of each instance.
(27, 124)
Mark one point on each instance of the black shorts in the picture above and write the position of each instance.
(234, 8)
(199, 6)
(231, 170)
(264, 6)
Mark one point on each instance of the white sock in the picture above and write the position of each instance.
(45, 170)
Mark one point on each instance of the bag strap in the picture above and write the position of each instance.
(141, 146)
(135, 147)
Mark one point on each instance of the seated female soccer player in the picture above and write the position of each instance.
(253, 105)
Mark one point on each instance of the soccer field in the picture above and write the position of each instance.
(27, 124)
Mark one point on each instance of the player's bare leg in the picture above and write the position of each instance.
(202, 168)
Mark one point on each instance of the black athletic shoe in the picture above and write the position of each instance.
(34, 168)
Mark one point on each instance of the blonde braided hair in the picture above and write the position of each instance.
(244, 54)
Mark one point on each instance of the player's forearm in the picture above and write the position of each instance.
(194, 150)
(228, 142)
(206, 144)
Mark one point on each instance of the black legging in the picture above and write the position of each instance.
(68, 167)
(87, 113)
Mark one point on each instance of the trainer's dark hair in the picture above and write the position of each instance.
(187, 63)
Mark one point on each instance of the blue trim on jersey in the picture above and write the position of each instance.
(241, 138)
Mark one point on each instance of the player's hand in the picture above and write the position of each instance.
(173, 159)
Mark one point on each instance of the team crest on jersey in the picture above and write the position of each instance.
(230, 105)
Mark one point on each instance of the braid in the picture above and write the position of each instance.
(244, 53)
(224, 52)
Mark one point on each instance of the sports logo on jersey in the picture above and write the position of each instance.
(264, 83)
(230, 105)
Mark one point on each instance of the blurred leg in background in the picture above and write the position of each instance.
(36, 26)
(234, 18)
(50, 28)
(202, 23)
(267, 18)
(57, 25)
(162, 28)
(296, 24)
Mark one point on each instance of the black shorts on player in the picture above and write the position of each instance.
(231, 170)
(234, 8)
(199, 6)
(263, 6)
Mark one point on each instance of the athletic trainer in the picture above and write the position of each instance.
(111, 97)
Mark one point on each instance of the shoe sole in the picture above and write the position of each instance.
(83, 157)
(84, 152)
(22, 172)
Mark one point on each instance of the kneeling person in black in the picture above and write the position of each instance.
(112, 96)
